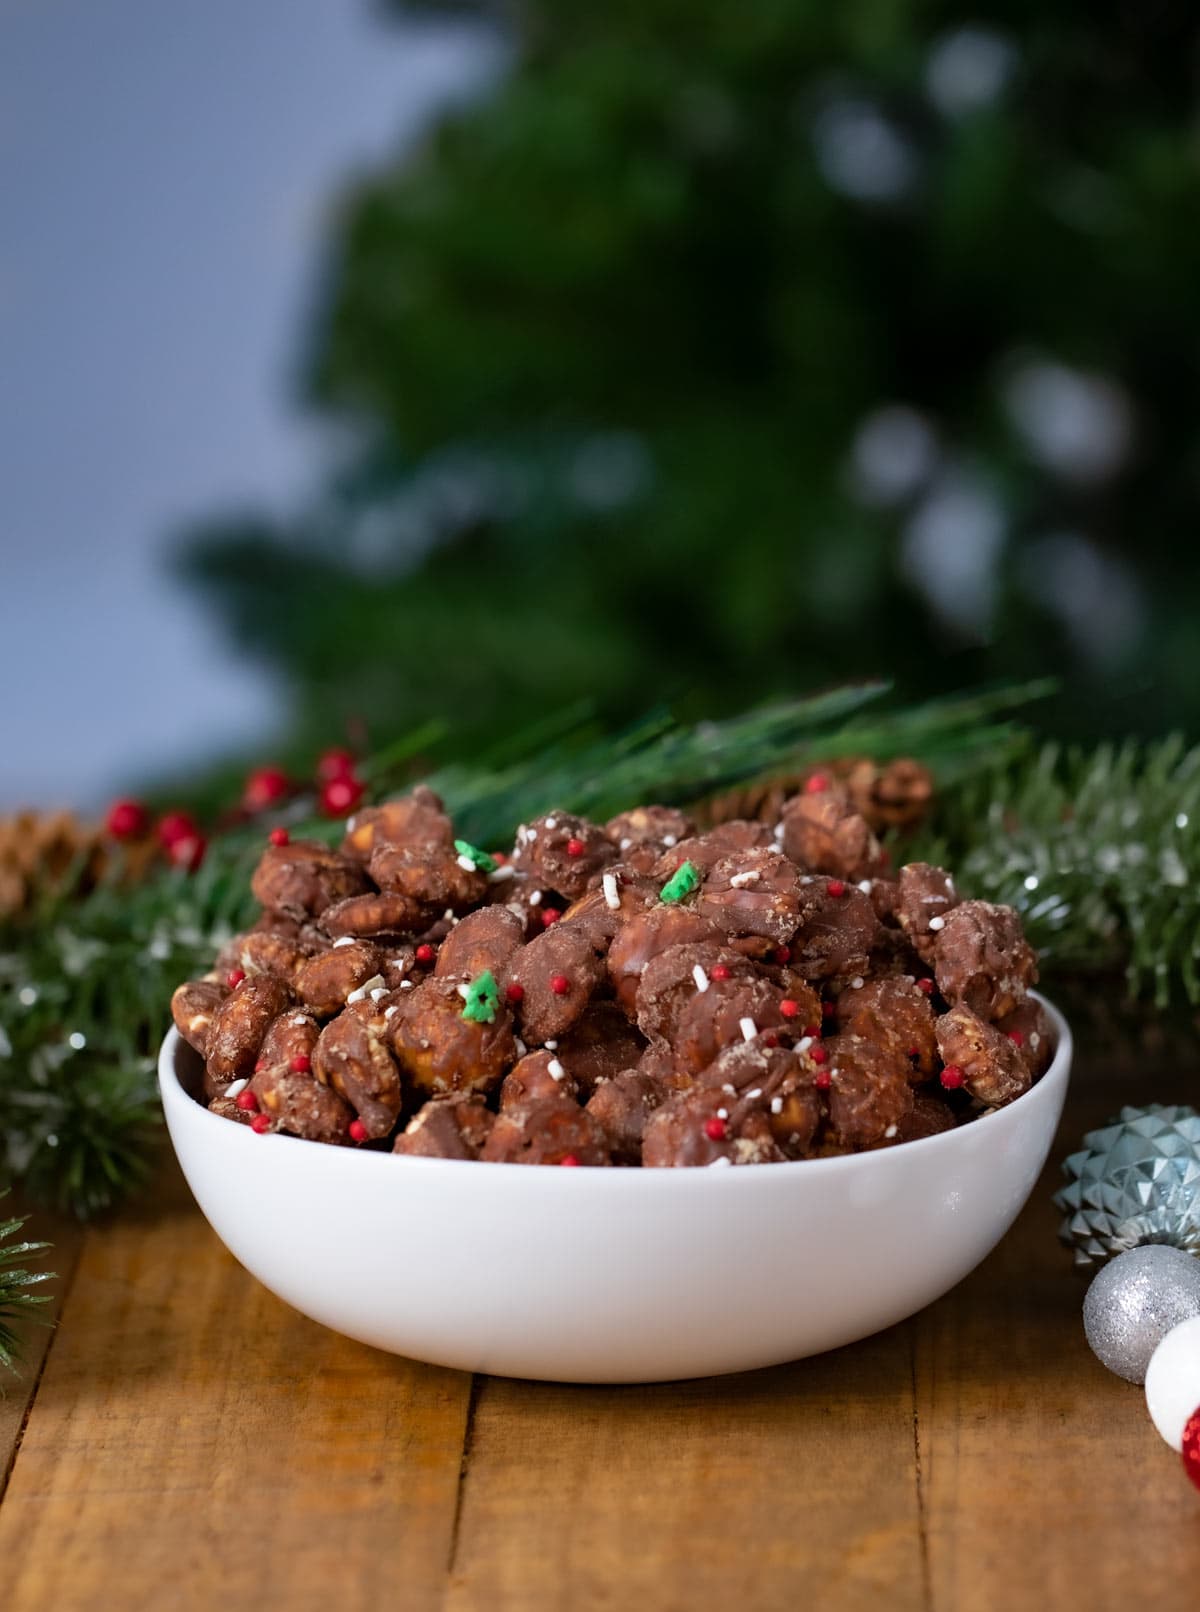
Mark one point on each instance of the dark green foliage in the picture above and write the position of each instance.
(18, 1301)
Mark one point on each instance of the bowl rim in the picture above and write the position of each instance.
(177, 1100)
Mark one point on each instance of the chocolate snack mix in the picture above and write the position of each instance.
(631, 994)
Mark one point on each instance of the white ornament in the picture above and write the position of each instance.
(1173, 1381)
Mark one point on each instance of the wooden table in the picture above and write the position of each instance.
(184, 1440)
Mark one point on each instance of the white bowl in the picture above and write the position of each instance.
(610, 1275)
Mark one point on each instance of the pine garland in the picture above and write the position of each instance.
(18, 1301)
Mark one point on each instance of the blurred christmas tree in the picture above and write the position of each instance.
(722, 350)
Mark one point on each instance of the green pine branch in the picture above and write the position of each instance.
(18, 1301)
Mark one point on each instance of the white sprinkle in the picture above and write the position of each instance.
(522, 1049)
(722, 1113)
(1035, 1040)
(1031, 881)
(553, 1045)
(552, 822)
(448, 915)
(535, 898)
(1181, 820)
(670, 841)
(865, 886)
(504, 871)
(741, 880)
(777, 1105)
(555, 1070)
(626, 843)
(700, 977)
(612, 896)
(757, 1092)
(890, 1132)
(406, 985)
(77, 1040)
(466, 863)
(380, 990)
(388, 1011)
(464, 991)
(343, 940)
(937, 923)
(804, 1043)
(351, 824)
(730, 1088)
(27, 995)
(778, 831)
(856, 984)
(365, 988)
(236, 1087)
(717, 1163)
(748, 1028)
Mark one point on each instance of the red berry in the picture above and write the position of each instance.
(265, 786)
(188, 852)
(1017, 1039)
(357, 1131)
(819, 1054)
(788, 1008)
(836, 888)
(334, 763)
(817, 784)
(279, 836)
(559, 984)
(260, 1124)
(246, 1101)
(174, 826)
(828, 1009)
(822, 1080)
(550, 915)
(715, 1128)
(569, 1160)
(514, 992)
(1190, 1448)
(952, 1077)
(719, 971)
(926, 986)
(235, 977)
(782, 954)
(341, 795)
(300, 1064)
(425, 953)
(575, 847)
(127, 820)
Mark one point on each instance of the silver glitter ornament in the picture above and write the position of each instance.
(1135, 1301)
(1135, 1181)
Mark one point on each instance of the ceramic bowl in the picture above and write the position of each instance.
(610, 1275)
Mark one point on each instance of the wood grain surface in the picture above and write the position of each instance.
(190, 1442)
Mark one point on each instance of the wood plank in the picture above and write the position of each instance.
(196, 1443)
(1045, 1482)
(776, 1489)
(36, 1338)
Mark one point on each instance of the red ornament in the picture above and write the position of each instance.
(819, 1054)
(341, 795)
(266, 786)
(782, 954)
(559, 984)
(127, 820)
(926, 986)
(719, 971)
(247, 1102)
(235, 977)
(550, 915)
(174, 826)
(260, 1124)
(836, 888)
(952, 1077)
(569, 1161)
(514, 992)
(425, 953)
(788, 1008)
(335, 763)
(300, 1064)
(817, 784)
(357, 1131)
(715, 1128)
(822, 1080)
(187, 853)
(575, 847)
(1017, 1039)
(279, 836)
(1191, 1447)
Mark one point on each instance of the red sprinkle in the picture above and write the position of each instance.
(279, 836)
(926, 986)
(1017, 1039)
(569, 1161)
(819, 1054)
(127, 820)
(788, 1008)
(823, 1080)
(514, 993)
(813, 1030)
(235, 977)
(770, 1039)
(425, 953)
(715, 1128)
(550, 915)
(817, 784)
(260, 1066)
(828, 1009)
(260, 1124)
(952, 1077)
(782, 954)
(300, 1064)
(719, 972)
(357, 1131)
(575, 847)
(559, 984)
(836, 887)
(246, 1101)
(914, 1052)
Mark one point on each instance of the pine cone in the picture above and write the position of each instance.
(40, 852)
(897, 794)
